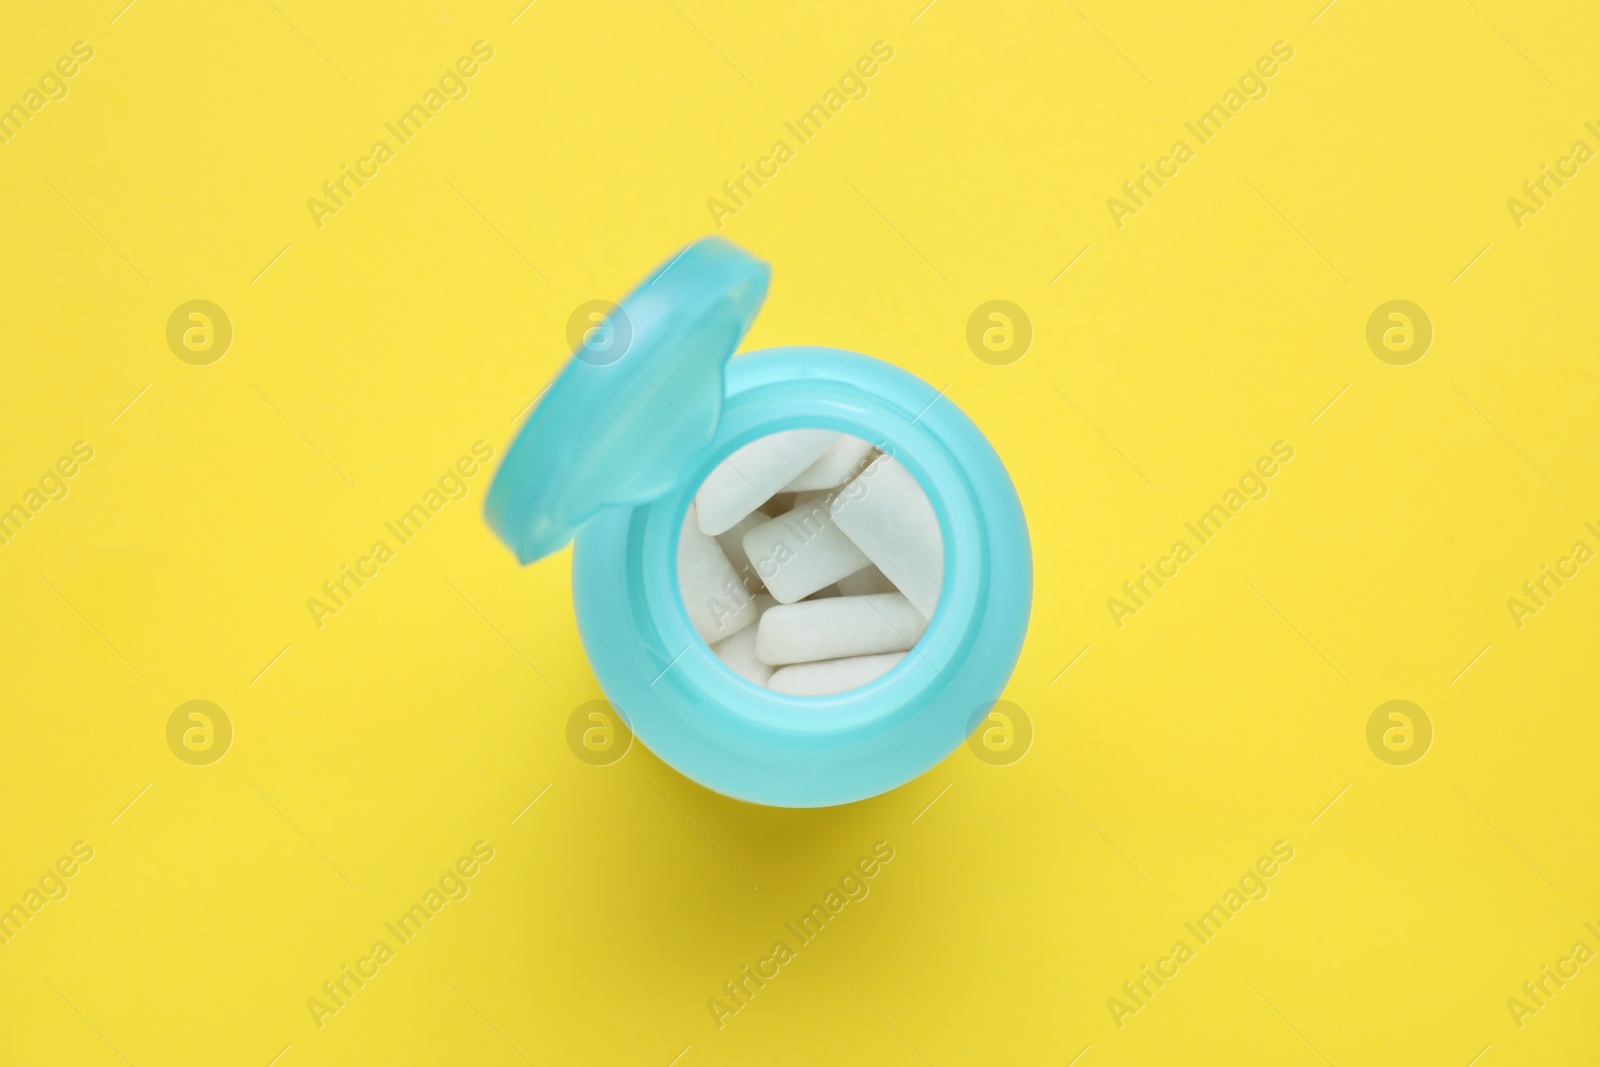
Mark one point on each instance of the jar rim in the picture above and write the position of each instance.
(753, 743)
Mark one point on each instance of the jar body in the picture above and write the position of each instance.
(749, 742)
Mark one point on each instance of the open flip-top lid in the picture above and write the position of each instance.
(634, 407)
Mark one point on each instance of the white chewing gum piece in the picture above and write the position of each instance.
(732, 542)
(865, 582)
(835, 467)
(801, 551)
(829, 676)
(716, 601)
(837, 628)
(742, 482)
(891, 520)
(738, 653)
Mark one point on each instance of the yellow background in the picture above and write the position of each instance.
(1226, 315)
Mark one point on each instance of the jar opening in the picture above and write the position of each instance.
(810, 561)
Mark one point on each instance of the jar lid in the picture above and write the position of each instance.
(636, 404)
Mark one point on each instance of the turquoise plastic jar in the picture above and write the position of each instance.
(612, 457)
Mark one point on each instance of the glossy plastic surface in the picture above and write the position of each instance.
(618, 425)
